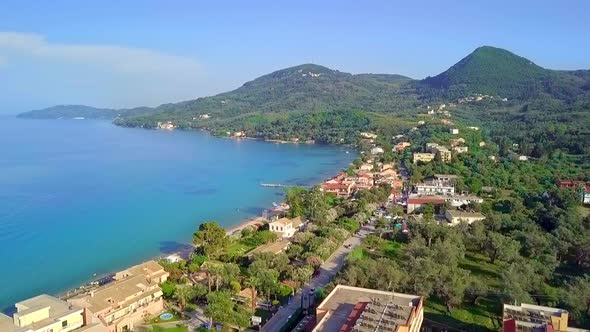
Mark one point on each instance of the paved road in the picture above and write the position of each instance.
(327, 271)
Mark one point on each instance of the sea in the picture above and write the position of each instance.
(84, 198)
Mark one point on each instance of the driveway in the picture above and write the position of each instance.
(327, 271)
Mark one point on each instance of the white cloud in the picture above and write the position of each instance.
(43, 72)
(117, 58)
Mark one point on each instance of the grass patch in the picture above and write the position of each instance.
(480, 267)
(238, 249)
(468, 317)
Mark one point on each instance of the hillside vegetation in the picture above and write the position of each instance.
(544, 109)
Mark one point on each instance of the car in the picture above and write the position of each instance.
(347, 246)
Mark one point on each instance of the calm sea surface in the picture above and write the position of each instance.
(85, 197)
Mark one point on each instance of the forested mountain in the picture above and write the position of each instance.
(498, 72)
(546, 109)
(82, 111)
(304, 88)
(70, 112)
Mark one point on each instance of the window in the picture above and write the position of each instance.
(64, 323)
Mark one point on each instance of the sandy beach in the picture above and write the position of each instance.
(244, 224)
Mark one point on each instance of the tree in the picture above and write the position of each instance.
(451, 284)
(252, 282)
(168, 288)
(502, 247)
(302, 274)
(220, 307)
(212, 239)
(184, 294)
(578, 297)
(295, 198)
(316, 206)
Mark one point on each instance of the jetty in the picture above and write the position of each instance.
(273, 185)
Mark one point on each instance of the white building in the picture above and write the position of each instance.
(454, 131)
(455, 217)
(377, 150)
(435, 188)
(286, 227)
(461, 149)
(43, 313)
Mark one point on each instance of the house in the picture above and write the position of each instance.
(460, 200)
(474, 128)
(285, 227)
(366, 167)
(492, 158)
(377, 150)
(272, 247)
(339, 189)
(361, 181)
(422, 157)
(454, 131)
(417, 202)
(581, 188)
(446, 177)
(460, 149)
(455, 217)
(45, 313)
(367, 135)
(458, 141)
(421, 122)
(124, 303)
(166, 125)
(523, 158)
(401, 146)
(174, 258)
(349, 308)
(443, 154)
(435, 187)
(482, 144)
(529, 317)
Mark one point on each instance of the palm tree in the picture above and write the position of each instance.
(183, 294)
(252, 282)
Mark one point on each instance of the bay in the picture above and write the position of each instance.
(80, 197)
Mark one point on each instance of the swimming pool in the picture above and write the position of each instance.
(166, 316)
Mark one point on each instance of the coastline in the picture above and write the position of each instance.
(184, 247)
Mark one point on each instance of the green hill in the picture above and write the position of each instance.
(498, 72)
(70, 112)
(306, 88)
(82, 111)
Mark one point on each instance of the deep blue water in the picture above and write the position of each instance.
(85, 197)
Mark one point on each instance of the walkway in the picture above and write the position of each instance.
(327, 271)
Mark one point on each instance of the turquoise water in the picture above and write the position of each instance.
(85, 197)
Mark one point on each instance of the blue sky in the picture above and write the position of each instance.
(132, 53)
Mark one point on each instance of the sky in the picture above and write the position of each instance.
(144, 53)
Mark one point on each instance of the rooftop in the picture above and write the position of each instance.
(54, 307)
(360, 309)
(464, 214)
(533, 316)
(139, 280)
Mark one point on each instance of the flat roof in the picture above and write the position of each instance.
(344, 301)
(463, 214)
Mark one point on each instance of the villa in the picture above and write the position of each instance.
(455, 217)
(285, 227)
(124, 303)
(46, 313)
(423, 157)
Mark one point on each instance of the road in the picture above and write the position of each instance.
(327, 271)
